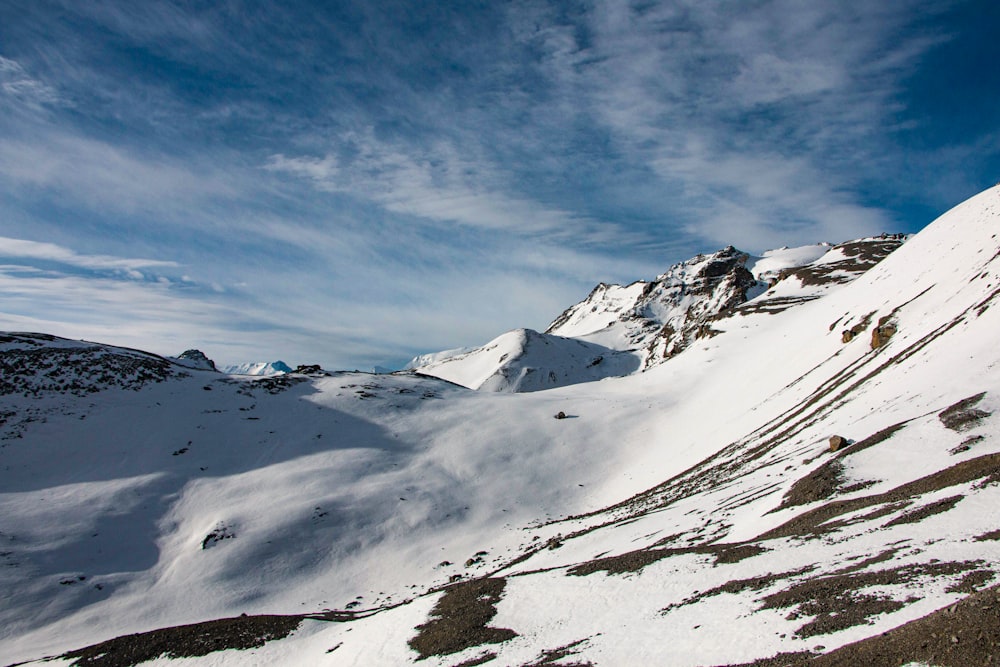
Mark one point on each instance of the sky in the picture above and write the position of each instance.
(352, 183)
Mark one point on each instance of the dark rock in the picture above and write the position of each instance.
(196, 359)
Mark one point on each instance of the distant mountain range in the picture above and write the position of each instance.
(791, 459)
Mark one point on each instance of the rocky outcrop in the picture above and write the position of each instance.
(660, 318)
(195, 359)
(885, 330)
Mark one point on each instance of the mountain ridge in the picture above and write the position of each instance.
(635, 327)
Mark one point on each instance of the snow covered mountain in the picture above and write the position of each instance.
(525, 360)
(258, 368)
(815, 484)
(618, 330)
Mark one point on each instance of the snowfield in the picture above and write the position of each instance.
(796, 455)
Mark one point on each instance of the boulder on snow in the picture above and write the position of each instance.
(560, 415)
(883, 332)
(836, 442)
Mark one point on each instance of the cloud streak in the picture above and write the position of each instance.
(51, 252)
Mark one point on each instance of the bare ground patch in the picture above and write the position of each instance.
(549, 657)
(839, 601)
(928, 510)
(186, 641)
(815, 521)
(965, 634)
(460, 619)
(964, 415)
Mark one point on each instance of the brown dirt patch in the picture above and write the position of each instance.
(738, 586)
(921, 513)
(780, 660)
(633, 561)
(964, 415)
(460, 619)
(837, 601)
(828, 479)
(972, 582)
(991, 535)
(478, 660)
(733, 554)
(965, 634)
(811, 522)
(186, 641)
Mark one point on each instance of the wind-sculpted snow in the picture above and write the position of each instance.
(802, 487)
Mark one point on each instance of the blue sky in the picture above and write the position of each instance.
(353, 183)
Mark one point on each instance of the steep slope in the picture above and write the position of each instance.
(693, 514)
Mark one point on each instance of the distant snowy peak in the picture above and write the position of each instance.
(524, 360)
(258, 368)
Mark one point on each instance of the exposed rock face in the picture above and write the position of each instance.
(660, 318)
(196, 359)
(720, 284)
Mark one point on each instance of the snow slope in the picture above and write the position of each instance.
(692, 514)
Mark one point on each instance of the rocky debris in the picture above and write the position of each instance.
(186, 641)
(885, 330)
(222, 531)
(850, 334)
(964, 415)
(460, 619)
(836, 442)
(965, 633)
(31, 367)
(857, 257)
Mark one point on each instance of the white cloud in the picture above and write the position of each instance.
(18, 87)
(51, 252)
(441, 184)
(103, 175)
(762, 117)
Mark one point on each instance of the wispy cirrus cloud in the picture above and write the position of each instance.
(19, 88)
(441, 184)
(50, 252)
